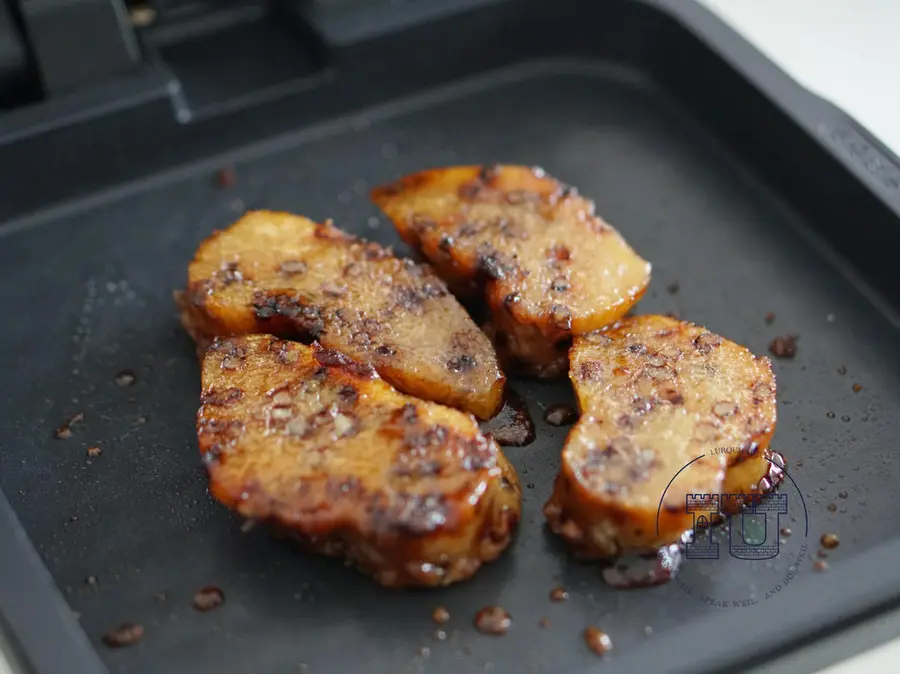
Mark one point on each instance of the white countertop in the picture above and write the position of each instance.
(847, 51)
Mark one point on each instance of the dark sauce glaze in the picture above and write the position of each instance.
(513, 427)
(647, 570)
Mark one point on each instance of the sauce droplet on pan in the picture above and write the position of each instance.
(597, 640)
(513, 427)
(208, 598)
(64, 432)
(493, 620)
(558, 594)
(126, 378)
(125, 634)
(830, 541)
(784, 347)
(226, 177)
(560, 415)
(634, 571)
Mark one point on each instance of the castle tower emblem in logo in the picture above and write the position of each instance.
(754, 531)
(704, 507)
(753, 527)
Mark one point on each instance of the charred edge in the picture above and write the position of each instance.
(410, 182)
(343, 488)
(408, 414)
(327, 230)
(463, 363)
(466, 340)
(560, 284)
(672, 396)
(415, 515)
(567, 191)
(559, 252)
(500, 527)
(489, 173)
(446, 243)
(421, 225)
(224, 398)
(747, 451)
(233, 354)
(284, 351)
(705, 342)
(304, 318)
(334, 358)
(412, 299)
(470, 191)
(517, 197)
(348, 394)
(510, 300)
(197, 292)
(467, 229)
(230, 273)
(561, 316)
(215, 436)
(491, 266)
(375, 253)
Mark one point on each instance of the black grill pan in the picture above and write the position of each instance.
(745, 190)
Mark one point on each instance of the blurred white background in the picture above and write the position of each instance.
(847, 51)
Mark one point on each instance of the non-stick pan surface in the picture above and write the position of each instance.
(131, 534)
